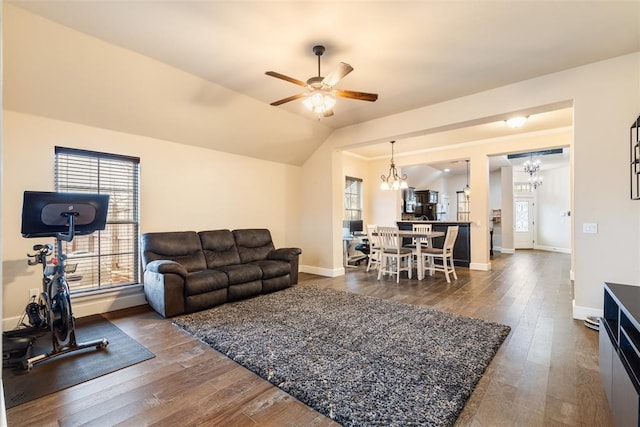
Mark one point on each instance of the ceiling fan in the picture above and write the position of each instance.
(320, 96)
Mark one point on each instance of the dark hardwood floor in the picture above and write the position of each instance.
(545, 374)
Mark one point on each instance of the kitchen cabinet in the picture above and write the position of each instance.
(426, 204)
(409, 197)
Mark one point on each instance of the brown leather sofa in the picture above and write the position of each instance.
(188, 271)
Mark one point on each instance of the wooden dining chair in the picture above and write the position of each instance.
(445, 254)
(394, 258)
(424, 242)
(374, 248)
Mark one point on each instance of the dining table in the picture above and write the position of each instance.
(418, 235)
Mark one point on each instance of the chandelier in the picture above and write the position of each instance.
(535, 181)
(532, 169)
(393, 181)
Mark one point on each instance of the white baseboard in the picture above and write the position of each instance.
(95, 303)
(327, 272)
(508, 251)
(480, 266)
(552, 249)
(581, 313)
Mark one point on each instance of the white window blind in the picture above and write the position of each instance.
(109, 257)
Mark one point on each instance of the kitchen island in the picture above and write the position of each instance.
(462, 247)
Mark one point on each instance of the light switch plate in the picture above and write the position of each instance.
(590, 228)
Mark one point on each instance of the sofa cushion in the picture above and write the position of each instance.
(203, 281)
(219, 248)
(183, 247)
(272, 268)
(253, 244)
(242, 273)
(199, 302)
(244, 290)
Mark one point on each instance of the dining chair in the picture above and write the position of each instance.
(424, 242)
(394, 258)
(374, 248)
(445, 254)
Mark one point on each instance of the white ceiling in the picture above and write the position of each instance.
(411, 53)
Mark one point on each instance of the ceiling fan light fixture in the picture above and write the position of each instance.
(319, 101)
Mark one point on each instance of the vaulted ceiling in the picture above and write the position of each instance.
(412, 54)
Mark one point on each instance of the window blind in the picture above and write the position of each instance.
(109, 257)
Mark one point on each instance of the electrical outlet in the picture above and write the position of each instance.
(34, 293)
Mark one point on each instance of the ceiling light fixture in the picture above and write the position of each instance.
(535, 181)
(516, 122)
(467, 189)
(532, 169)
(320, 101)
(393, 181)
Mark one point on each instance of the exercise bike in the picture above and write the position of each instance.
(59, 215)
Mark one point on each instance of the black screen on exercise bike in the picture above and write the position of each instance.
(45, 214)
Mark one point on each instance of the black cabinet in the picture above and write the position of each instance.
(619, 352)
(462, 247)
(426, 204)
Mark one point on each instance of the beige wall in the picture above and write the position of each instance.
(606, 100)
(181, 188)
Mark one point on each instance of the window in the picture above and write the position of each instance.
(522, 216)
(352, 198)
(109, 257)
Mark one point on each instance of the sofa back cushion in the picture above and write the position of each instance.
(182, 247)
(219, 248)
(253, 243)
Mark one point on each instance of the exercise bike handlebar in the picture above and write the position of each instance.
(41, 256)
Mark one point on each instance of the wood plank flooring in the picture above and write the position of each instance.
(545, 374)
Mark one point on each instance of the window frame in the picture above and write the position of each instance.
(349, 211)
(116, 175)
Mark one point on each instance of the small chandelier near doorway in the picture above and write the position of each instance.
(532, 169)
(467, 189)
(393, 181)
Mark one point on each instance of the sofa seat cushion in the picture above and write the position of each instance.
(200, 282)
(242, 273)
(272, 268)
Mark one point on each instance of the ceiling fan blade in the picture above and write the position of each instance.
(360, 96)
(291, 98)
(337, 74)
(287, 78)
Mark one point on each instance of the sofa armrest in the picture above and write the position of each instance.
(291, 255)
(164, 292)
(164, 266)
(284, 254)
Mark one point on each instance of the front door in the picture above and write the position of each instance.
(523, 222)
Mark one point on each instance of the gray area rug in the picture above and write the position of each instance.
(76, 367)
(356, 359)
